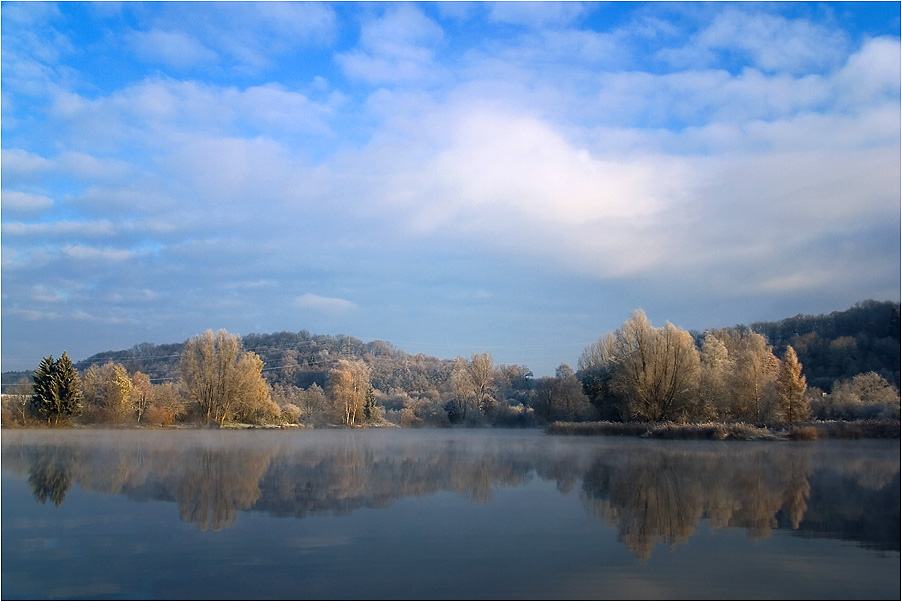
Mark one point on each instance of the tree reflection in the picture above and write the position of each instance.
(212, 484)
(50, 476)
(651, 492)
(658, 495)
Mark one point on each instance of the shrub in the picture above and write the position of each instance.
(290, 413)
(158, 415)
(803, 433)
(516, 416)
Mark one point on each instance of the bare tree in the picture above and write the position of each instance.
(106, 393)
(141, 394)
(561, 397)
(473, 382)
(655, 369)
(18, 400)
(221, 378)
(595, 371)
(714, 380)
(166, 406)
(349, 383)
(754, 378)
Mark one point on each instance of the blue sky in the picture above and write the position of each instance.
(450, 177)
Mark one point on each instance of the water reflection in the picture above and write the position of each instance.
(50, 475)
(651, 492)
(659, 495)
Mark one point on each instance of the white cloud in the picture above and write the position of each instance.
(871, 75)
(44, 294)
(274, 108)
(771, 42)
(297, 21)
(396, 47)
(797, 281)
(174, 48)
(91, 168)
(157, 114)
(536, 14)
(523, 164)
(59, 228)
(86, 253)
(325, 304)
(23, 203)
(516, 185)
(252, 37)
(776, 43)
(21, 166)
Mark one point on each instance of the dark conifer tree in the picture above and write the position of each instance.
(57, 394)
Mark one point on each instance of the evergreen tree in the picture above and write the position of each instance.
(369, 404)
(57, 394)
(791, 386)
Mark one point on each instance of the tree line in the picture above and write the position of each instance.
(638, 372)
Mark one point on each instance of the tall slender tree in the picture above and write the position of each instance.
(791, 386)
(349, 384)
(473, 382)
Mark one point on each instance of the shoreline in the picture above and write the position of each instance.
(735, 431)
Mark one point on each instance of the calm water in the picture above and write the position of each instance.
(444, 514)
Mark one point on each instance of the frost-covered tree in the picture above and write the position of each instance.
(561, 397)
(106, 393)
(791, 386)
(714, 379)
(141, 394)
(222, 379)
(655, 370)
(473, 383)
(349, 383)
(754, 377)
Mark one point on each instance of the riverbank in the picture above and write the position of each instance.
(738, 431)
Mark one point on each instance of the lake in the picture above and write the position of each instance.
(444, 514)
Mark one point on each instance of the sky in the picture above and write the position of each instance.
(450, 177)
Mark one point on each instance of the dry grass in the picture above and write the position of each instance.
(803, 433)
(857, 429)
(737, 431)
(632, 429)
(662, 430)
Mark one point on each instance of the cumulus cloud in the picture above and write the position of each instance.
(396, 47)
(769, 42)
(516, 184)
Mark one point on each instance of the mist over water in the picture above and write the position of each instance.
(444, 514)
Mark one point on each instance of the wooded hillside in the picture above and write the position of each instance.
(839, 345)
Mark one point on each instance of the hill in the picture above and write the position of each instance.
(839, 345)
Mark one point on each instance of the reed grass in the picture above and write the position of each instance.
(737, 431)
